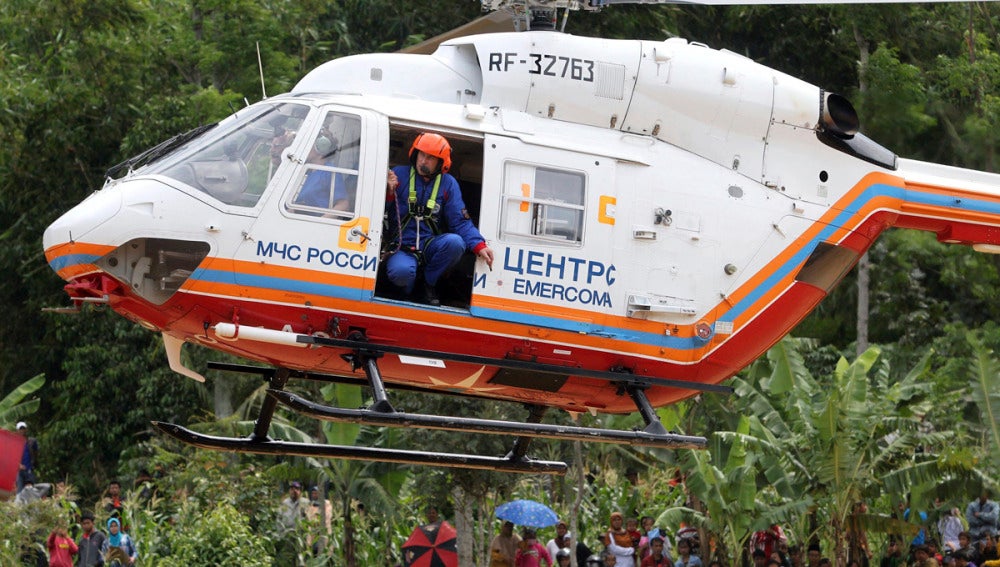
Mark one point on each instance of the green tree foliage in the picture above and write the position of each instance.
(14, 407)
(25, 527)
(86, 84)
(220, 536)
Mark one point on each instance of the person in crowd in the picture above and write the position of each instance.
(563, 557)
(922, 557)
(760, 559)
(781, 554)
(29, 458)
(113, 501)
(118, 546)
(963, 560)
(503, 548)
(61, 548)
(291, 512)
(983, 515)
(691, 534)
(893, 555)
(562, 539)
(90, 544)
(767, 540)
(319, 512)
(433, 518)
(795, 556)
(620, 542)
(921, 537)
(647, 527)
(987, 550)
(932, 549)
(32, 491)
(431, 223)
(814, 554)
(684, 556)
(949, 526)
(965, 545)
(293, 507)
(632, 527)
(530, 553)
(656, 557)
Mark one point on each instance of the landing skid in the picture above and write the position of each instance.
(271, 447)
(390, 418)
(381, 413)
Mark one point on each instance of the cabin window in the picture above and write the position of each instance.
(328, 181)
(544, 203)
(236, 165)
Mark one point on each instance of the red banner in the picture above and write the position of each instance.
(11, 449)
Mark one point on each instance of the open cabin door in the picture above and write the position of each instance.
(548, 214)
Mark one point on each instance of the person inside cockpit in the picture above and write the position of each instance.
(322, 188)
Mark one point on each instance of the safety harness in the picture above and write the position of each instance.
(420, 213)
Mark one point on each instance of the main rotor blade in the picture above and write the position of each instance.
(490, 23)
(600, 3)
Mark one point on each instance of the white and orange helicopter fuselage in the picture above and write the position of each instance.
(657, 208)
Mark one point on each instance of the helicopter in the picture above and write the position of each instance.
(661, 214)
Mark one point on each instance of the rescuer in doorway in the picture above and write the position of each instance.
(431, 224)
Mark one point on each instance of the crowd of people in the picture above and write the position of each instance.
(89, 545)
(956, 540)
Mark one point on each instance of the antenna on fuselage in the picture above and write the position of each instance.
(260, 66)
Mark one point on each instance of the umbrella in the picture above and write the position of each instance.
(527, 513)
(431, 545)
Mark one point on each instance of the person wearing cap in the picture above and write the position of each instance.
(293, 508)
(428, 219)
(29, 458)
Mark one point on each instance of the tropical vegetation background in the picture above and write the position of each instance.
(889, 390)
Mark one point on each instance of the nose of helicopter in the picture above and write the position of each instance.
(66, 240)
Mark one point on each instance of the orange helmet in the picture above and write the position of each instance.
(433, 145)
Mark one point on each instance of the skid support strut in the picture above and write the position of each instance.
(653, 424)
(267, 408)
(369, 361)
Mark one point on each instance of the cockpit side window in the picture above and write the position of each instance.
(328, 183)
(237, 162)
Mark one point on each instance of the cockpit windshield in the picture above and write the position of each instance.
(237, 159)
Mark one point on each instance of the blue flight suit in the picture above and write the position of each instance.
(316, 189)
(440, 252)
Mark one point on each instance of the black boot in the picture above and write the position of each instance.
(431, 296)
